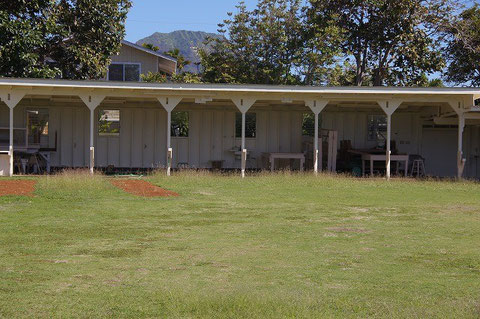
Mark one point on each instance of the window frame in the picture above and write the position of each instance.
(100, 134)
(368, 127)
(27, 128)
(307, 129)
(188, 125)
(123, 70)
(235, 126)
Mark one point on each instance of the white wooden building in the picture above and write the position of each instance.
(127, 124)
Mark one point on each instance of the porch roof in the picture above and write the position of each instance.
(225, 91)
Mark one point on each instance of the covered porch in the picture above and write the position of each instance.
(147, 126)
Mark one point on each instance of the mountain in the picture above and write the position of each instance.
(185, 41)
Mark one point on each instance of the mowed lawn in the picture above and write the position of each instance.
(268, 246)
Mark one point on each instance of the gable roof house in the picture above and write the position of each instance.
(127, 124)
(134, 60)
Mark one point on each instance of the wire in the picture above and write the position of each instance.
(171, 22)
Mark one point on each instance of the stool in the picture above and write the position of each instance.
(418, 168)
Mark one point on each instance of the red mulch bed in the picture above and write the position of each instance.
(17, 187)
(142, 188)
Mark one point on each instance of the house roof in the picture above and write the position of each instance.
(146, 50)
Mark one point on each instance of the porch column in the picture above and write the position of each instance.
(11, 99)
(389, 107)
(460, 160)
(457, 107)
(316, 106)
(243, 105)
(92, 101)
(169, 103)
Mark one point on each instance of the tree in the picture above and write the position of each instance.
(179, 77)
(186, 77)
(260, 46)
(391, 42)
(91, 32)
(25, 30)
(154, 77)
(181, 61)
(463, 49)
(71, 38)
(150, 46)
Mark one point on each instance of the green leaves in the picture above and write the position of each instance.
(78, 35)
(463, 50)
(329, 42)
(391, 42)
(264, 45)
(91, 32)
(25, 27)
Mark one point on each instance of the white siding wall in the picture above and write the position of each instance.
(472, 152)
(406, 129)
(142, 140)
(148, 62)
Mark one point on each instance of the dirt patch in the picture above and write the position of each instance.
(17, 187)
(142, 188)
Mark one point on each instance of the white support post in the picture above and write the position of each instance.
(316, 106)
(91, 163)
(92, 101)
(389, 140)
(10, 145)
(457, 107)
(243, 105)
(169, 103)
(169, 143)
(315, 147)
(389, 107)
(243, 130)
(460, 160)
(244, 150)
(11, 98)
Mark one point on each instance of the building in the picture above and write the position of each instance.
(135, 125)
(134, 60)
(123, 123)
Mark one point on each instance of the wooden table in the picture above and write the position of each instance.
(383, 158)
(273, 156)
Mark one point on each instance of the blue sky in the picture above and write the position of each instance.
(149, 16)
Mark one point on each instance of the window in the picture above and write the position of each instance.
(377, 127)
(179, 125)
(308, 124)
(109, 123)
(250, 125)
(124, 72)
(37, 127)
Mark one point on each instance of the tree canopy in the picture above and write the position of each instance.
(49, 38)
(385, 42)
(25, 30)
(311, 42)
(260, 46)
(331, 42)
(463, 50)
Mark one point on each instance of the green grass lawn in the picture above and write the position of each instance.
(268, 246)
